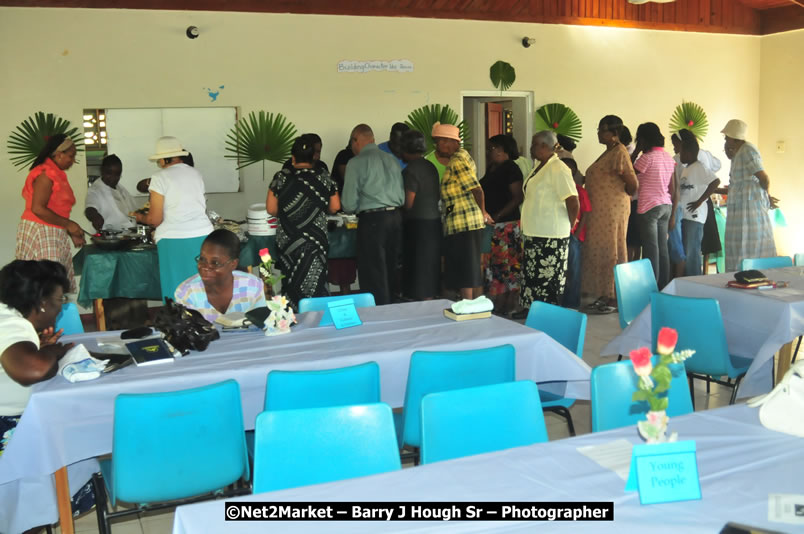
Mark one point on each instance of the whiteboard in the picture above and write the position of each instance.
(132, 135)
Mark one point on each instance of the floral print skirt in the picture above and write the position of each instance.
(503, 271)
(544, 269)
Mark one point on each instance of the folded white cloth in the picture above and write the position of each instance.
(480, 304)
(77, 365)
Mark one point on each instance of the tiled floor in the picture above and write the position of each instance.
(600, 330)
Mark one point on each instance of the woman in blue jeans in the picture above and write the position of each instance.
(657, 198)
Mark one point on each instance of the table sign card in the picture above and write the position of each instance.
(664, 472)
(344, 313)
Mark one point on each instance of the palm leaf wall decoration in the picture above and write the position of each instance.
(502, 75)
(558, 118)
(30, 137)
(423, 118)
(689, 116)
(260, 136)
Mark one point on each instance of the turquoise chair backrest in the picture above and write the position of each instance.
(179, 444)
(362, 300)
(432, 372)
(300, 447)
(798, 259)
(293, 390)
(700, 327)
(482, 419)
(766, 263)
(69, 319)
(634, 282)
(564, 325)
(612, 385)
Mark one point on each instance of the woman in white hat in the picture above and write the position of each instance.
(178, 210)
(749, 233)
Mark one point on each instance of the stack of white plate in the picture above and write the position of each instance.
(259, 222)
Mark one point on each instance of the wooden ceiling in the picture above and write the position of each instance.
(754, 17)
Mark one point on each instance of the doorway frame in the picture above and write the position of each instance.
(504, 95)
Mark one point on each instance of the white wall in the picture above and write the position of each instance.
(65, 60)
(781, 118)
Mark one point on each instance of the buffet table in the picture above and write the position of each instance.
(134, 274)
(66, 423)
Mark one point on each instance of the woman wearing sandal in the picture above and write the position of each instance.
(610, 182)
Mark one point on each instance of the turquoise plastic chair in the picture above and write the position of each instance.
(798, 259)
(69, 319)
(362, 300)
(634, 282)
(774, 262)
(568, 327)
(294, 390)
(433, 372)
(700, 327)
(300, 447)
(476, 420)
(612, 385)
(169, 446)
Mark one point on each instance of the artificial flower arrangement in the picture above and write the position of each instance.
(654, 381)
(281, 317)
(266, 271)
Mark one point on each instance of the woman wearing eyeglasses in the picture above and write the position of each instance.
(218, 288)
(31, 297)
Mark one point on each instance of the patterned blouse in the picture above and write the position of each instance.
(461, 212)
(247, 294)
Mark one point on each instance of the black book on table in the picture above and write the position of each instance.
(149, 351)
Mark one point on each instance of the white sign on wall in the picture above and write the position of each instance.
(396, 65)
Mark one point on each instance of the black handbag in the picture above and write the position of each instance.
(185, 328)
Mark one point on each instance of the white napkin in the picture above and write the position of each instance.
(480, 304)
(77, 365)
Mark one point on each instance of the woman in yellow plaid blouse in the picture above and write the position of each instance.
(464, 214)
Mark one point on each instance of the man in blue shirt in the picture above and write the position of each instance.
(394, 144)
(373, 188)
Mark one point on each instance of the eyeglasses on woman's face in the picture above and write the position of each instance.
(212, 264)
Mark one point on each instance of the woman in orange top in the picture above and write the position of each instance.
(45, 231)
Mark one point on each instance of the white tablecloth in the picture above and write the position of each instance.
(65, 423)
(739, 463)
(757, 322)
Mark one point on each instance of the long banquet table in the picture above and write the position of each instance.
(739, 463)
(758, 323)
(67, 423)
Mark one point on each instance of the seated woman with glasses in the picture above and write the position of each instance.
(218, 288)
(31, 297)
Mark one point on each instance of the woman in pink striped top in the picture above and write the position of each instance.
(657, 199)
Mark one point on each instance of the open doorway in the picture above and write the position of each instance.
(491, 112)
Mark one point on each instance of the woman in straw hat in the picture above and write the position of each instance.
(178, 210)
(46, 230)
(749, 233)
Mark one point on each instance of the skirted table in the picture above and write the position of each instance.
(134, 274)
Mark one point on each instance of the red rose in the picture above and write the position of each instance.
(666, 342)
(555, 125)
(640, 357)
(690, 123)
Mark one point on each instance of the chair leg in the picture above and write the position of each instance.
(692, 392)
(795, 352)
(708, 383)
(100, 504)
(734, 391)
(48, 529)
(565, 413)
(619, 357)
